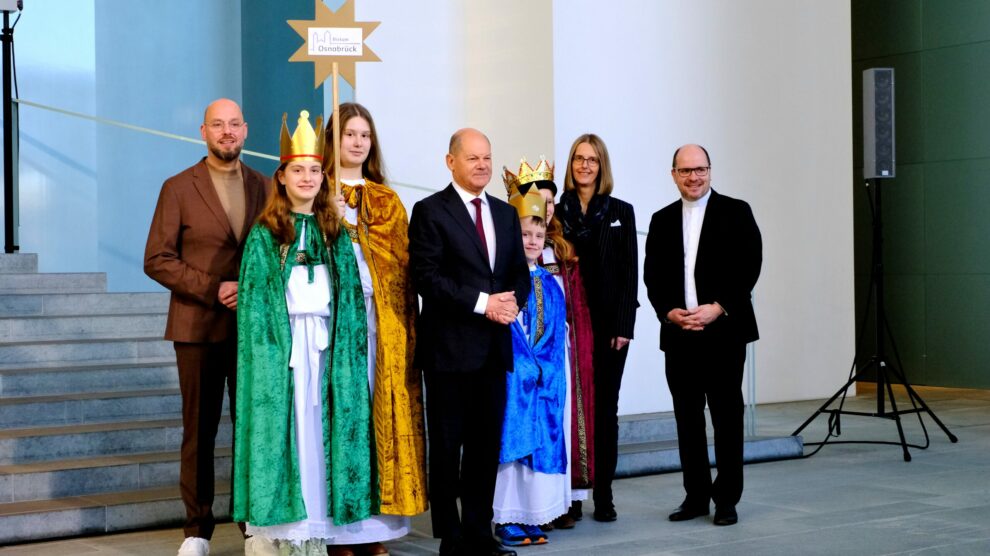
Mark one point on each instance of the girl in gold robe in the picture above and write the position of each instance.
(377, 224)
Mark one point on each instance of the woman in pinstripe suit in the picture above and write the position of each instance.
(603, 231)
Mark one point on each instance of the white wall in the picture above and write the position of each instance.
(765, 86)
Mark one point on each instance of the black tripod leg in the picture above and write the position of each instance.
(839, 392)
(882, 367)
(917, 398)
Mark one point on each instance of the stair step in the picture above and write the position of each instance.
(96, 439)
(54, 378)
(90, 407)
(99, 513)
(89, 327)
(60, 304)
(18, 263)
(64, 282)
(646, 427)
(646, 458)
(71, 351)
(75, 477)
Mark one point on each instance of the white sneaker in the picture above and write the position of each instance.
(194, 546)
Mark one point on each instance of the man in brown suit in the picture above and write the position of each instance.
(194, 249)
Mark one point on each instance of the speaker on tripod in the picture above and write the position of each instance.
(878, 165)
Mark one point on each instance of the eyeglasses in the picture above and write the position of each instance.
(700, 171)
(217, 126)
(580, 160)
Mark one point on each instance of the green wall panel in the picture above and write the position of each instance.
(903, 218)
(958, 330)
(937, 232)
(957, 227)
(957, 97)
(885, 27)
(955, 22)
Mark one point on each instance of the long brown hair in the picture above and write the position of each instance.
(603, 183)
(563, 251)
(374, 166)
(277, 214)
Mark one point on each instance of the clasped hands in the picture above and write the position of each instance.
(695, 319)
(502, 307)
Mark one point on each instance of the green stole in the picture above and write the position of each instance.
(266, 487)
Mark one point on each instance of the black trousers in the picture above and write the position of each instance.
(709, 371)
(204, 369)
(609, 365)
(464, 412)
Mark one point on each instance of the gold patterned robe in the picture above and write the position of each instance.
(397, 410)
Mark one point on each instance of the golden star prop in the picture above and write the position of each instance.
(342, 18)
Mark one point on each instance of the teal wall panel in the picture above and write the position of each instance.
(272, 84)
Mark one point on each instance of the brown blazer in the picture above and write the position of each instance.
(192, 248)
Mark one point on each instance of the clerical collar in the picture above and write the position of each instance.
(359, 181)
(702, 202)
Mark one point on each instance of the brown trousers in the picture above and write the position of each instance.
(204, 369)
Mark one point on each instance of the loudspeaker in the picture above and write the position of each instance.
(878, 123)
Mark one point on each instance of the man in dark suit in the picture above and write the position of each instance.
(194, 249)
(467, 263)
(703, 257)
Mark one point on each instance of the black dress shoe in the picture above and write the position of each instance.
(725, 515)
(685, 512)
(451, 546)
(605, 515)
(493, 548)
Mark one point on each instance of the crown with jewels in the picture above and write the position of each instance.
(304, 141)
(543, 172)
(532, 203)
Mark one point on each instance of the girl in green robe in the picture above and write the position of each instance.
(302, 451)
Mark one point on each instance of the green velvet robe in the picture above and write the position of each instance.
(266, 487)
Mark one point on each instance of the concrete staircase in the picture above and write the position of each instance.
(90, 411)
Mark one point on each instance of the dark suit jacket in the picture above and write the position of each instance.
(730, 254)
(610, 269)
(192, 248)
(449, 268)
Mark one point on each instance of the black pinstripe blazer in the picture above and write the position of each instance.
(610, 270)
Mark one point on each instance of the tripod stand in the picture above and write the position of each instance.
(885, 371)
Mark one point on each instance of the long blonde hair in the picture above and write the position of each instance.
(603, 183)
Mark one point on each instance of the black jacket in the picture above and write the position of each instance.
(730, 255)
(449, 268)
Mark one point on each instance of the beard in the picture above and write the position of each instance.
(226, 156)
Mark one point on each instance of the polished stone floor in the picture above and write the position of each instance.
(846, 499)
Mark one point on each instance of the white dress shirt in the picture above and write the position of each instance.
(693, 216)
(489, 226)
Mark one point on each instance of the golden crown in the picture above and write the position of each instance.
(530, 204)
(543, 172)
(304, 142)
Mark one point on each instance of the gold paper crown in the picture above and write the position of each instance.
(532, 203)
(304, 142)
(543, 172)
